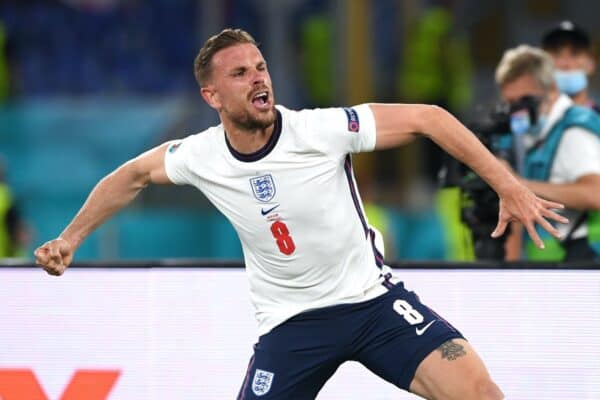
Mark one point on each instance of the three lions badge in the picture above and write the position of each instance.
(261, 384)
(263, 187)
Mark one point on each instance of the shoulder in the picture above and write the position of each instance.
(582, 116)
(292, 118)
(579, 145)
(580, 137)
(578, 154)
(295, 118)
(198, 142)
(344, 118)
(305, 122)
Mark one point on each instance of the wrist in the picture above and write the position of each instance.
(72, 240)
(509, 186)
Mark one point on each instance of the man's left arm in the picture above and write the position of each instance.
(577, 166)
(397, 124)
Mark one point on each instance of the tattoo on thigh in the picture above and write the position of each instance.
(451, 350)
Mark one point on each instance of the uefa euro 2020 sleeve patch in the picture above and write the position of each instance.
(173, 148)
(353, 123)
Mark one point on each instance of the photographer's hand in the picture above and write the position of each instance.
(518, 203)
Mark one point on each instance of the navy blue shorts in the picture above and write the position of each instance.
(390, 335)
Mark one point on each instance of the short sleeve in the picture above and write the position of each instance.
(176, 166)
(578, 154)
(344, 130)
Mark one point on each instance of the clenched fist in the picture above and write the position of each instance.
(54, 256)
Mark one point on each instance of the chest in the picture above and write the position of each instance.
(287, 185)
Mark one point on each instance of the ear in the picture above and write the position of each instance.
(549, 98)
(210, 96)
(590, 65)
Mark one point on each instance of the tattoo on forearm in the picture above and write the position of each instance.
(451, 350)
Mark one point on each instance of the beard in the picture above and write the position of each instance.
(243, 119)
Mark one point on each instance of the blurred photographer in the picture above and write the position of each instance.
(574, 63)
(561, 143)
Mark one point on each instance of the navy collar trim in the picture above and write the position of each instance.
(262, 152)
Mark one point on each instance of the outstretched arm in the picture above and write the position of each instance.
(112, 193)
(401, 123)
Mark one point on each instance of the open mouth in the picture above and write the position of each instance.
(261, 99)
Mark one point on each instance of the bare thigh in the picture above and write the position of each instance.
(454, 371)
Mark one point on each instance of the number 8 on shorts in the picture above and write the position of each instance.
(411, 315)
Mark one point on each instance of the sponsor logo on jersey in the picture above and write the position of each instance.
(353, 123)
(268, 210)
(263, 187)
(261, 384)
(173, 148)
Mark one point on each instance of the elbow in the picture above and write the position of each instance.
(591, 192)
(431, 117)
(133, 173)
(594, 201)
(586, 201)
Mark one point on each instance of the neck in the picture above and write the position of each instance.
(549, 102)
(246, 141)
(582, 98)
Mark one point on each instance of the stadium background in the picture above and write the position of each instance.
(87, 84)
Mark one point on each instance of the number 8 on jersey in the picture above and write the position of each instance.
(282, 237)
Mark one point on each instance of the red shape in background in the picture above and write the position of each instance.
(85, 384)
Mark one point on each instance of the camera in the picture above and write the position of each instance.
(479, 203)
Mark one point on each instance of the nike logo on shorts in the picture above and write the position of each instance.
(265, 212)
(422, 330)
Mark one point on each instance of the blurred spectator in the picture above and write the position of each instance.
(562, 140)
(573, 55)
(437, 64)
(13, 234)
(317, 48)
(102, 46)
(436, 69)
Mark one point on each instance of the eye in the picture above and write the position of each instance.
(262, 66)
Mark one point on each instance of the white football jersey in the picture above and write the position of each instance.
(294, 204)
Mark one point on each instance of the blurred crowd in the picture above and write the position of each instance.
(98, 47)
(322, 53)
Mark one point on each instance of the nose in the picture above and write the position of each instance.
(565, 63)
(259, 77)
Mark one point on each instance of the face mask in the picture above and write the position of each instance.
(520, 123)
(524, 116)
(570, 82)
(536, 129)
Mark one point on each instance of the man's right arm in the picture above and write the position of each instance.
(111, 194)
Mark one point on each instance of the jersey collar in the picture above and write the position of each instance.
(263, 151)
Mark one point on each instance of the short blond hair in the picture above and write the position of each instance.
(526, 60)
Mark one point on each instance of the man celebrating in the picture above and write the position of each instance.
(284, 179)
(562, 161)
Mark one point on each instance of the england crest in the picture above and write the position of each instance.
(263, 187)
(261, 384)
